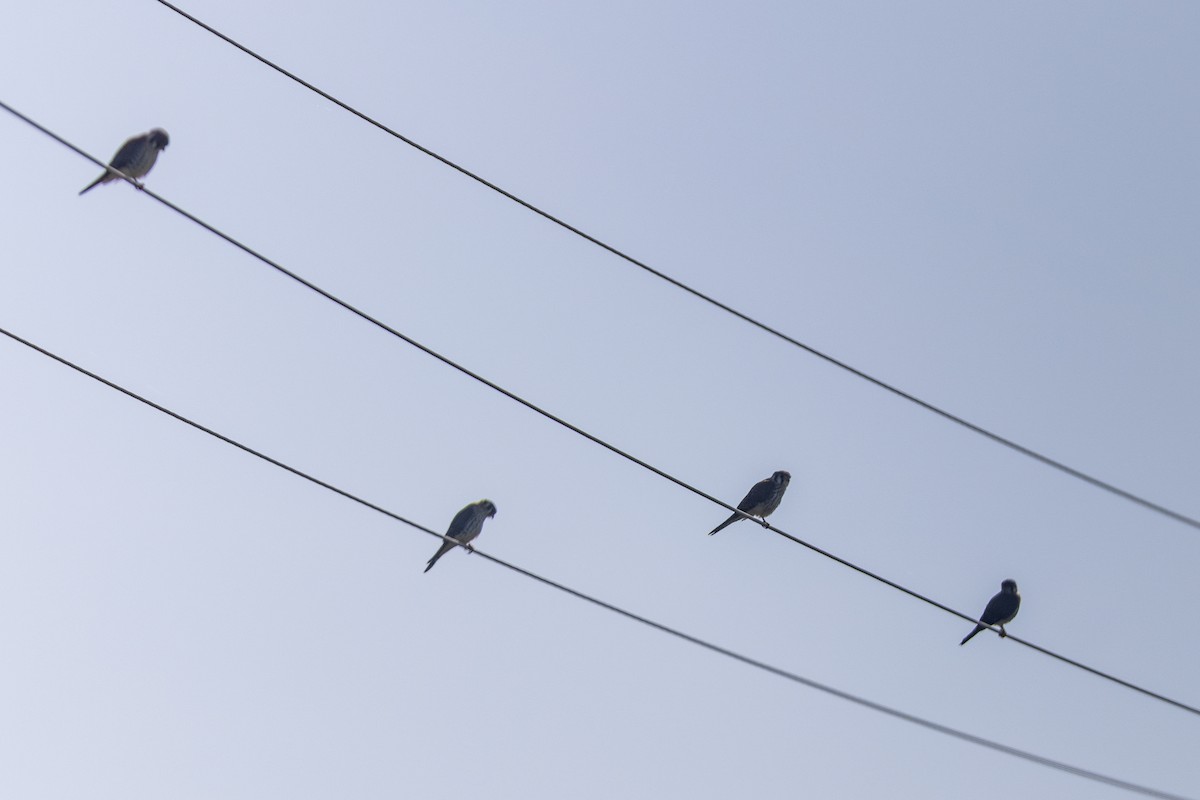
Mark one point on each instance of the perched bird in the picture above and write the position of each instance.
(135, 158)
(761, 500)
(1000, 609)
(465, 526)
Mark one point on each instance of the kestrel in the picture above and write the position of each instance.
(1000, 609)
(135, 158)
(465, 526)
(761, 500)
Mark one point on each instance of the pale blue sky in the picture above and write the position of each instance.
(992, 205)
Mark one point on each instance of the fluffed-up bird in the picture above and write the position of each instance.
(1000, 609)
(135, 158)
(761, 500)
(465, 526)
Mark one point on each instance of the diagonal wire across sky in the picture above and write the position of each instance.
(580, 431)
(788, 675)
(1011, 444)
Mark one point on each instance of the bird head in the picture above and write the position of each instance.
(1009, 586)
(781, 478)
(487, 507)
(159, 139)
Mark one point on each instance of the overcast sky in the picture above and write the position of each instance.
(992, 205)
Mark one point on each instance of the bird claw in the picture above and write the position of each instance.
(1003, 633)
(470, 549)
(764, 522)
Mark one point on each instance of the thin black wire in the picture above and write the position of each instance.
(591, 437)
(941, 412)
(753, 662)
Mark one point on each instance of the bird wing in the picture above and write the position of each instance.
(758, 494)
(460, 523)
(127, 153)
(1000, 608)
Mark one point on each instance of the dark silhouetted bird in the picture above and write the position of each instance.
(1000, 609)
(761, 500)
(465, 526)
(135, 158)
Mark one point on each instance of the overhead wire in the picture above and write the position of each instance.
(630, 615)
(878, 382)
(585, 434)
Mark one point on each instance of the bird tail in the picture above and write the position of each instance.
(967, 638)
(445, 548)
(732, 519)
(102, 179)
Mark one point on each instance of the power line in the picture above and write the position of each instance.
(928, 406)
(662, 628)
(589, 436)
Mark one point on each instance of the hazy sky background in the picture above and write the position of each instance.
(993, 205)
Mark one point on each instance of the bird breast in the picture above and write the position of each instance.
(142, 163)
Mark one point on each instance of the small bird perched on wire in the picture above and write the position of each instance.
(1000, 609)
(761, 500)
(465, 526)
(135, 158)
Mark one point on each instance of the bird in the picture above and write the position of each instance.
(761, 500)
(465, 526)
(1000, 609)
(135, 158)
